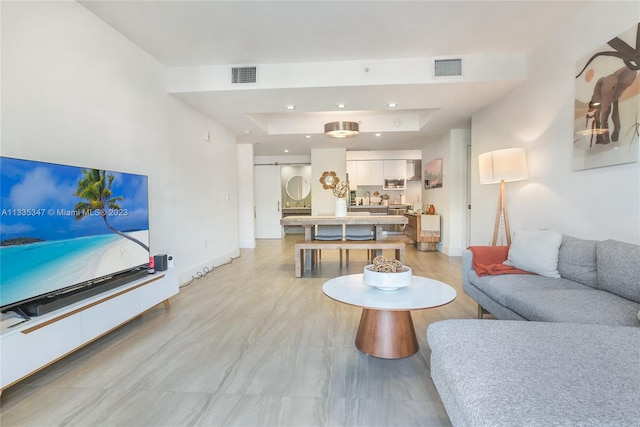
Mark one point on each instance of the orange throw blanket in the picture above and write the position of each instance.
(488, 260)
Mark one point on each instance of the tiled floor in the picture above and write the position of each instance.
(248, 345)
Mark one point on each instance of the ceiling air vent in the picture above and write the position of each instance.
(243, 75)
(447, 67)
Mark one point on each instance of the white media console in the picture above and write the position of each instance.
(32, 345)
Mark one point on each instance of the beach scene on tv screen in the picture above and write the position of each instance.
(64, 225)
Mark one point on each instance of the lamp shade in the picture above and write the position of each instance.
(509, 164)
(342, 129)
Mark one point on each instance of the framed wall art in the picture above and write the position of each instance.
(607, 103)
(433, 174)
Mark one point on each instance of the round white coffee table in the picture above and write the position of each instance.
(386, 328)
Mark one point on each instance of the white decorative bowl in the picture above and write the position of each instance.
(387, 281)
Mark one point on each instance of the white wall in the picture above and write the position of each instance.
(538, 115)
(484, 67)
(246, 230)
(384, 155)
(75, 91)
(325, 159)
(450, 200)
(283, 160)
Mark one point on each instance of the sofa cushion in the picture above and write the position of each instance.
(577, 260)
(536, 251)
(511, 373)
(619, 268)
(501, 287)
(574, 305)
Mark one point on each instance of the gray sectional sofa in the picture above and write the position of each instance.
(564, 352)
(599, 283)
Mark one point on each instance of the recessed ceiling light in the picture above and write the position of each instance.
(286, 151)
(247, 132)
(341, 105)
(392, 104)
(291, 107)
(378, 134)
(308, 136)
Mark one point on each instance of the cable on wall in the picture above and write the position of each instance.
(205, 271)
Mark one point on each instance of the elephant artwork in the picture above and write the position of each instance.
(608, 97)
(605, 101)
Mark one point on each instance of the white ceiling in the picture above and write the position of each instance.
(288, 33)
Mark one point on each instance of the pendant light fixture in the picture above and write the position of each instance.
(342, 129)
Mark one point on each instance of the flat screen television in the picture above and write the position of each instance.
(65, 229)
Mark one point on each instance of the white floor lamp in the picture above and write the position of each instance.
(502, 166)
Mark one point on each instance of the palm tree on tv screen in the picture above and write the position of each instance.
(95, 189)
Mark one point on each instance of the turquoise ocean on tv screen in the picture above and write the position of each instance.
(22, 279)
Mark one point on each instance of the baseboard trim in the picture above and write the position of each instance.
(248, 245)
(187, 274)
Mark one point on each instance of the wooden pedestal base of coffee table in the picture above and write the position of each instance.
(386, 334)
(386, 329)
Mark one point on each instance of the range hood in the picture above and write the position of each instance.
(414, 170)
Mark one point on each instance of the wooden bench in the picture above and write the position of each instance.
(373, 245)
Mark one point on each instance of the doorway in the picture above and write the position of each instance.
(268, 203)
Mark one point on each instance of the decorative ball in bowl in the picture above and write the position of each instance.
(387, 274)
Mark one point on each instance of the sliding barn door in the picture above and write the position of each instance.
(268, 195)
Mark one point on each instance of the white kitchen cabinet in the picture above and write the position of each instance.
(395, 169)
(395, 174)
(362, 172)
(376, 172)
(352, 171)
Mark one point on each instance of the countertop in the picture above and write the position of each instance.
(378, 206)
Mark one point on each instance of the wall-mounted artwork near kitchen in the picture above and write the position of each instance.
(433, 174)
(607, 103)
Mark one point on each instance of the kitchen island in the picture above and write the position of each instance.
(295, 211)
(423, 230)
(378, 209)
(394, 209)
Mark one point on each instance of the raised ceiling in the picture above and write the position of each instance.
(315, 55)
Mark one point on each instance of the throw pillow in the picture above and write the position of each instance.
(536, 251)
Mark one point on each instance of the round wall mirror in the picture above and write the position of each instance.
(298, 187)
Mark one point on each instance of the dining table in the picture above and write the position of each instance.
(310, 221)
